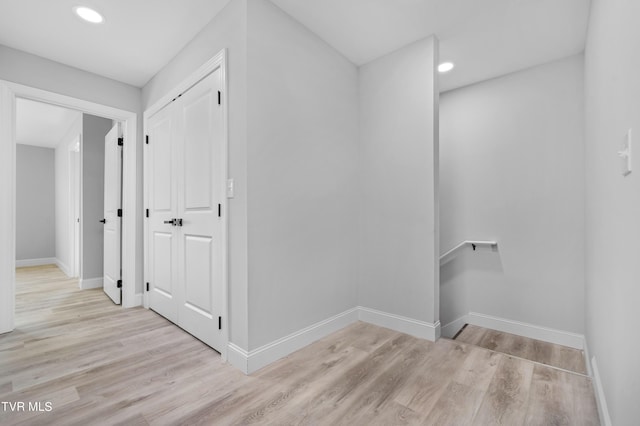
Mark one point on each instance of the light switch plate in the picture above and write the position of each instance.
(625, 155)
(230, 189)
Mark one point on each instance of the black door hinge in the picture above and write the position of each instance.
(120, 141)
(219, 210)
(147, 140)
(119, 212)
(147, 286)
(147, 213)
(119, 284)
(219, 98)
(219, 323)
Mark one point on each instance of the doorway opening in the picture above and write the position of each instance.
(10, 93)
(68, 168)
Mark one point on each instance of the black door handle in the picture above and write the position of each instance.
(174, 222)
(102, 221)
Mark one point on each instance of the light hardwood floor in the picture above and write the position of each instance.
(99, 364)
(534, 350)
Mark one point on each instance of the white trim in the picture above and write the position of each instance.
(587, 358)
(217, 61)
(537, 332)
(453, 327)
(204, 70)
(238, 357)
(36, 262)
(416, 328)
(86, 284)
(251, 361)
(601, 400)
(450, 254)
(7, 208)
(64, 268)
(8, 93)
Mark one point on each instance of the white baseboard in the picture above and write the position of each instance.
(453, 327)
(603, 410)
(545, 334)
(36, 262)
(64, 268)
(416, 328)
(238, 357)
(587, 358)
(86, 284)
(251, 361)
(138, 300)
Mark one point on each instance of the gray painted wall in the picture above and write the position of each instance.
(303, 177)
(35, 202)
(227, 30)
(399, 168)
(512, 169)
(612, 61)
(94, 130)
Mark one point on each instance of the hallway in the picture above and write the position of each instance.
(97, 363)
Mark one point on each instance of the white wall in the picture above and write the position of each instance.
(94, 130)
(302, 176)
(31, 70)
(399, 168)
(612, 61)
(34, 71)
(226, 30)
(35, 203)
(512, 169)
(62, 231)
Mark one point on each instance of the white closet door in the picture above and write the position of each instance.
(111, 221)
(186, 186)
(199, 194)
(162, 241)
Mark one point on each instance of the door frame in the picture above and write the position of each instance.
(9, 91)
(219, 60)
(75, 200)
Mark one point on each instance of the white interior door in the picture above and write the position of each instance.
(112, 220)
(199, 197)
(162, 240)
(185, 160)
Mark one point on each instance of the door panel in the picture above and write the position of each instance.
(112, 223)
(161, 165)
(197, 152)
(197, 254)
(186, 259)
(200, 157)
(163, 245)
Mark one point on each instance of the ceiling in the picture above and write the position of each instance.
(485, 38)
(41, 124)
(136, 40)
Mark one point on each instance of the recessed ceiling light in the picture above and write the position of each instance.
(445, 67)
(88, 14)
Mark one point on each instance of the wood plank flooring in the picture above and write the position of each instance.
(98, 364)
(534, 350)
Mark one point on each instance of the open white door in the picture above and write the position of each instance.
(112, 216)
